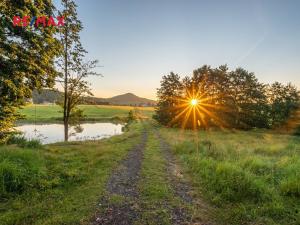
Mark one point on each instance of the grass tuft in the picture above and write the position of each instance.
(22, 142)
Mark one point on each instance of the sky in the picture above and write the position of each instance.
(139, 41)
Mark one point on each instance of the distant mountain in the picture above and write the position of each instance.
(129, 99)
(52, 96)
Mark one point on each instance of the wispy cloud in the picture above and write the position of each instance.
(250, 50)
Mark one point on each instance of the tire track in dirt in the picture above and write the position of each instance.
(184, 190)
(123, 182)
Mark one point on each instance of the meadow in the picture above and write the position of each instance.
(59, 183)
(246, 177)
(252, 177)
(53, 113)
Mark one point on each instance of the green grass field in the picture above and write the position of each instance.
(247, 177)
(51, 113)
(60, 183)
(252, 177)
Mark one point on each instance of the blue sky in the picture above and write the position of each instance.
(139, 41)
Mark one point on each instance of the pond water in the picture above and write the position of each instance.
(51, 133)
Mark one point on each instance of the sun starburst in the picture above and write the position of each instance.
(194, 102)
(195, 109)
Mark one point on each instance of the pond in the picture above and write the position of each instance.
(51, 133)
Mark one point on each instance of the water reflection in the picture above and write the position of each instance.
(51, 133)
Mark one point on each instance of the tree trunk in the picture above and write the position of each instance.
(66, 124)
(66, 129)
(66, 119)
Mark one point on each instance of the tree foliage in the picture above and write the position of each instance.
(226, 98)
(74, 69)
(168, 95)
(283, 100)
(27, 57)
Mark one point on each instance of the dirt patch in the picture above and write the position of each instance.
(181, 187)
(123, 182)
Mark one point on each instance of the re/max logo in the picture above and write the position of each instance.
(37, 21)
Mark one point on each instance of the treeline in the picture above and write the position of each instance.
(44, 96)
(225, 98)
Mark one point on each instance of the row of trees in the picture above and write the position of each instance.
(32, 58)
(224, 98)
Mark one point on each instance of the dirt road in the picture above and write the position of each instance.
(123, 204)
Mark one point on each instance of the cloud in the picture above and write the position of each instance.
(252, 48)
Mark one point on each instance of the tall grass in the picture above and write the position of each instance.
(22, 142)
(19, 170)
(62, 183)
(252, 177)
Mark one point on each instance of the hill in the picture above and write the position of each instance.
(130, 99)
(45, 96)
(52, 96)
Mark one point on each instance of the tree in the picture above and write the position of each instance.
(249, 101)
(168, 97)
(27, 57)
(234, 99)
(212, 84)
(284, 102)
(74, 70)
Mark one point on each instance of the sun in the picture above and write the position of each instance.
(196, 109)
(194, 102)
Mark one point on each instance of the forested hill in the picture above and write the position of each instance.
(45, 96)
(51, 96)
(129, 99)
